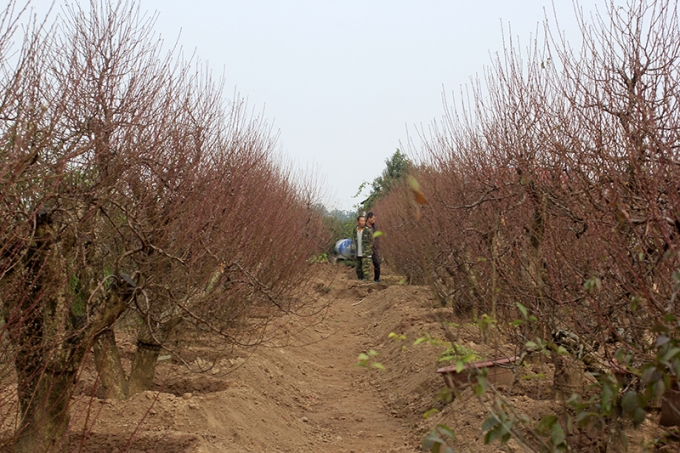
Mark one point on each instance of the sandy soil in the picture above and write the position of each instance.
(307, 395)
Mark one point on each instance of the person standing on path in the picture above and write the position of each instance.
(363, 244)
(376, 258)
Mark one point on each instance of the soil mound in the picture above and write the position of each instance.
(301, 391)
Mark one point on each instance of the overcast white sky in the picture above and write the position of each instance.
(344, 80)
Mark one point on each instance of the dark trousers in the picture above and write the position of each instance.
(376, 267)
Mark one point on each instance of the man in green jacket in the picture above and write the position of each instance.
(362, 240)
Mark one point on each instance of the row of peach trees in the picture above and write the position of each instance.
(553, 200)
(129, 187)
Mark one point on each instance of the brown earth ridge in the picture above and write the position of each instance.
(308, 395)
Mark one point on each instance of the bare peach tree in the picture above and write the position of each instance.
(128, 186)
(553, 201)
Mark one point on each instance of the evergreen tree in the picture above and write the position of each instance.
(396, 169)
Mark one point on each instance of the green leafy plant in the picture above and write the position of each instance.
(436, 441)
(366, 360)
(322, 258)
(556, 439)
(458, 352)
(498, 427)
(428, 339)
(396, 337)
(526, 317)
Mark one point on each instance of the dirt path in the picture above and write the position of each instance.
(347, 410)
(304, 397)
(301, 392)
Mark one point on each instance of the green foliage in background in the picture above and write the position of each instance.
(396, 168)
(340, 224)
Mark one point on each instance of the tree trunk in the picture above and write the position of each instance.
(143, 367)
(146, 357)
(110, 369)
(109, 366)
(568, 377)
(144, 363)
(44, 397)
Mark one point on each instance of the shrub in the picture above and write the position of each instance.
(557, 192)
(129, 185)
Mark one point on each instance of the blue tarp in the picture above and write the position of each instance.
(343, 249)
